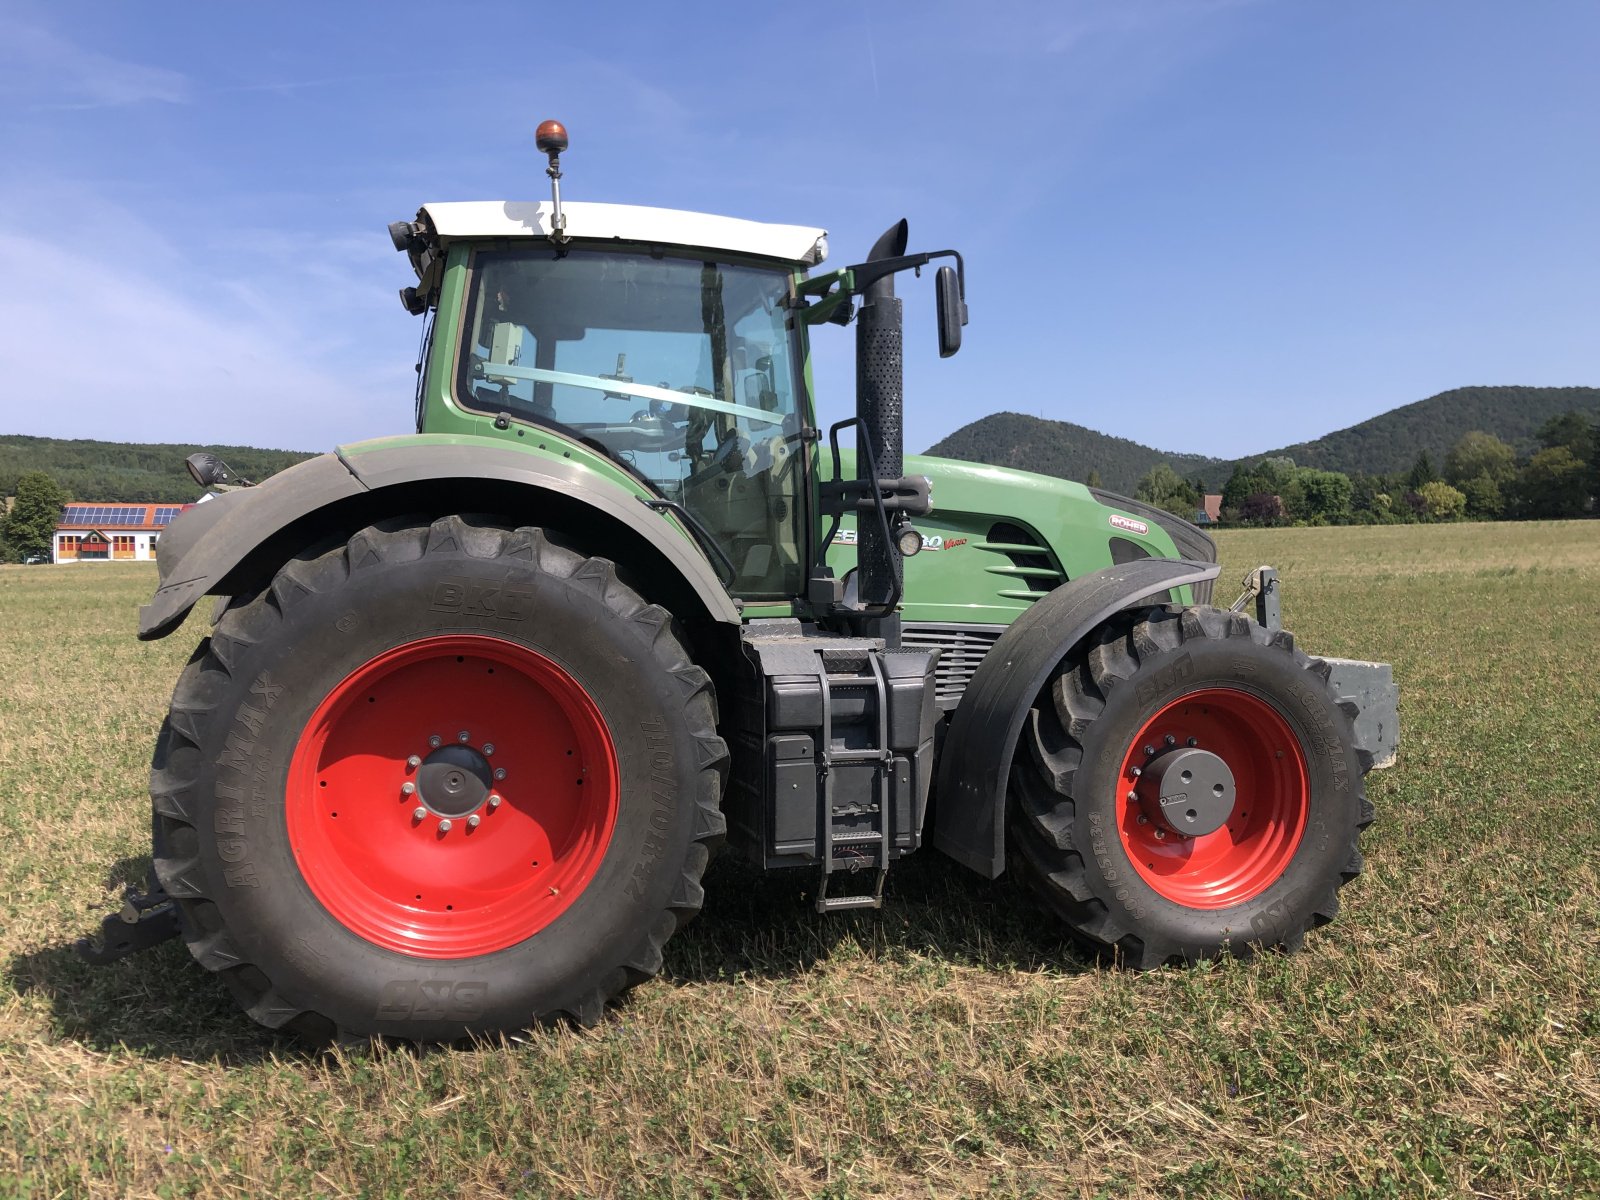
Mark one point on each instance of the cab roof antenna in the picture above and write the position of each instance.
(551, 138)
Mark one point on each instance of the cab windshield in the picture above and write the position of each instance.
(679, 369)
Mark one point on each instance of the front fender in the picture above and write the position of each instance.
(243, 533)
(208, 541)
(975, 761)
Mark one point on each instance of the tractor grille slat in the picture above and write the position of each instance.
(1025, 559)
(963, 646)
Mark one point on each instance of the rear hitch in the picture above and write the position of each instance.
(145, 919)
(1261, 585)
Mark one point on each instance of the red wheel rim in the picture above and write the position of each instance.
(1253, 848)
(405, 881)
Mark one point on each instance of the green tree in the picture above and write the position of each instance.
(30, 526)
(1166, 489)
(1241, 485)
(1421, 472)
(1262, 508)
(1441, 502)
(1282, 479)
(1594, 462)
(1485, 498)
(1553, 485)
(1364, 491)
(1569, 430)
(1324, 495)
(1093, 480)
(1480, 454)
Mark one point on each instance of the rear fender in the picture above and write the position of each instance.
(975, 764)
(239, 539)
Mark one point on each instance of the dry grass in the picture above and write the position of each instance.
(1442, 1038)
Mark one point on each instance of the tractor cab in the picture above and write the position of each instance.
(661, 340)
(673, 346)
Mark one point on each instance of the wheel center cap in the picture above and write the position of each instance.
(453, 780)
(1189, 791)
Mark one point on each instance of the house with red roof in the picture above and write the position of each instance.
(87, 532)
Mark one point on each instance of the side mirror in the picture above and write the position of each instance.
(952, 310)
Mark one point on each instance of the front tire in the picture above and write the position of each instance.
(1189, 788)
(444, 780)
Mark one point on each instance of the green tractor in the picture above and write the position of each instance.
(479, 704)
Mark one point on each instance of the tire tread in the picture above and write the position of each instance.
(201, 685)
(1041, 804)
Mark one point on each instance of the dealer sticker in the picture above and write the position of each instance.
(1118, 521)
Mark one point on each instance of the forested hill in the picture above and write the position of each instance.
(125, 471)
(1386, 444)
(1389, 443)
(1009, 439)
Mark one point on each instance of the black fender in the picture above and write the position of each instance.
(241, 537)
(975, 761)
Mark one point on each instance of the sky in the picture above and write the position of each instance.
(1214, 226)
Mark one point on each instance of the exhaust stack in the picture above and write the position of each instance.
(880, 402)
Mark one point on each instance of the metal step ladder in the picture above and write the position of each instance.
(848, 849)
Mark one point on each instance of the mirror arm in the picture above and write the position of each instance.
(864, 275)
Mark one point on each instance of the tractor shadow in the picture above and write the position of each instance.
(762, 924)
(159, 1004)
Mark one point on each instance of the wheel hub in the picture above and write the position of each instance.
(405, 832)
(1189, 791)
(454, 780)
(1240, 841)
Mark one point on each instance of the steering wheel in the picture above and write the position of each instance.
(721, 461)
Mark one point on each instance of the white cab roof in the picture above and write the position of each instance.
(629, 223)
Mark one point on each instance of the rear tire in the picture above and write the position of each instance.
(1093, 838)
(351, 865)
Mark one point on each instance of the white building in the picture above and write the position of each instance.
(103, 532)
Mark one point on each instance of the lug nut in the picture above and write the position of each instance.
(463, 736)
(1143, 819)
(414, 762)
(1136, 771)
(499, 772)
(1171, 741)
(436, 741)
(488, 748)
(1193, 742)
(444, 825)
(1149, 751)
(418, 813)
(1161, 835)
(1133, 795)
(407, 788)
(472, 821)
(494, 801)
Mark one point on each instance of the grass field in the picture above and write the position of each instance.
(1440, 1039)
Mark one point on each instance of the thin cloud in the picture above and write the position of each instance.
(157, 347)
(1077, 24)
(64, 76)
(289, 86)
